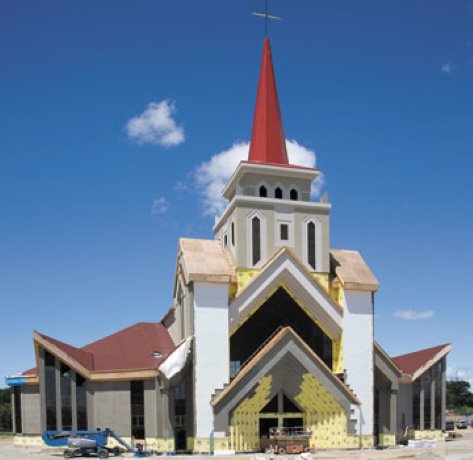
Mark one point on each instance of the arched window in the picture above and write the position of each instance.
(311, 244)
(278, 193)
(293, 195)
(256, 240)
(263, 191)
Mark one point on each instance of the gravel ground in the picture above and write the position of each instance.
(459, 449)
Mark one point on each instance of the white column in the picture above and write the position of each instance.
(211, 352)
(358, 353)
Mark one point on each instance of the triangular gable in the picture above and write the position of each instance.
(284, 269)
(285, 344)
(416, 363)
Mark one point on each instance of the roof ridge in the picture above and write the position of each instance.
(115, 333)
(421, 350)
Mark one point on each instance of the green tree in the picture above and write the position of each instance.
(5, 410)
(458, 394)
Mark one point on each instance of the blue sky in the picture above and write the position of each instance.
(90, 217)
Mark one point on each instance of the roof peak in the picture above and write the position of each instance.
(268, 143)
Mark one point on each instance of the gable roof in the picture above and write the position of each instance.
(352, 270)
(284, 268)
(130, 349)
(83, 357)
(205, 260)
(418, 362)
(285, 332)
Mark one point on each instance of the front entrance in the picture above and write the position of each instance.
(181, 440)
(280, 412)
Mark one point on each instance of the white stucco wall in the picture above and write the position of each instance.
(358, 353)
(211, 350)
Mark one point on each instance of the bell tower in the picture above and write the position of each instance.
(269, 203)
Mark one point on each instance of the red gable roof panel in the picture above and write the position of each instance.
(412, 362)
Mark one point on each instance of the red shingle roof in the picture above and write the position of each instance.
(33, 371)
(410, 363)
(129, 349)
(84, 358)
(132, 348)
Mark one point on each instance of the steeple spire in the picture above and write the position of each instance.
(268, 143)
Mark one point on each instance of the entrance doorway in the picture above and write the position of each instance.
(280, 412)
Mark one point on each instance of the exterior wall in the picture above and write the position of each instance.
(288, 368)
(151, 414)
(112, 406)
(404, 407)
(171, 323)
(271, 212)
(179, 322)
(211, 353)
(358, 353)
(30, 410)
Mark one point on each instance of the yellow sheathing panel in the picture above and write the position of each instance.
(337, 356)
(221, 444)
(201, 445)
(32, 441)
(337, 347)
(244, 276)
(429, 434)
(322, 278)
(325, 416)
(387, 439)
(190, 444)
(244, 432)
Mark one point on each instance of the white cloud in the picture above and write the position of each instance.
(447, 68)
(181, 186)
(413, 314)
(453, 373)
(160, 206)
(156, 125)
(212, 176)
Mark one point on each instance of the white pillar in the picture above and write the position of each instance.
(211, 352)
(358, 353)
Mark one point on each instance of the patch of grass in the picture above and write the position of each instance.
(3, 433)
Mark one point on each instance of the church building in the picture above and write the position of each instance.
(270, 327)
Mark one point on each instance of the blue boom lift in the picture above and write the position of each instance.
(81, 443)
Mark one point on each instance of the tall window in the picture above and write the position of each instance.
(81, 402)
(256, 239)
(311, 244)
(50, 384)
(278, 193)
(180, 403)
(263, 191)
(438, 396)
(17, 399)
(293, 195)
(284, 232)
(66, 407)
(137, 396)
(233, 233)
(416, 404)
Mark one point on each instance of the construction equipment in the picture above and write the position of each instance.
(291, 440)
(82, 443)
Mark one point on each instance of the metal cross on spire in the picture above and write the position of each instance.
(266, 16)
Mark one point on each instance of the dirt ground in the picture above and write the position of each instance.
(458, 449)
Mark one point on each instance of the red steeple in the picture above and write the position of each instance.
(268, 144)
